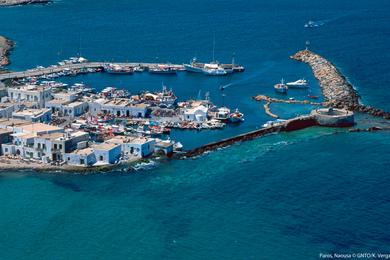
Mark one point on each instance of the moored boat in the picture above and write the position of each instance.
(118, 69)
(236, 117)
(300, 83)
(281, 87)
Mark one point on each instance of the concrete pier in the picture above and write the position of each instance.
(78, 66)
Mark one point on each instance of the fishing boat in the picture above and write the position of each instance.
(281, 87)
(194, 66)
(222, 114)
(236, 117)
(215, 71)
(117, 69)
(162, 70)
(300, 83)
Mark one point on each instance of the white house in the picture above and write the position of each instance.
(42, 115)
(195, 114)
(121, 107)
(83, 157)
(66, 108)
(134, 146)
(107, 153)
(37, 95)
(7, 108)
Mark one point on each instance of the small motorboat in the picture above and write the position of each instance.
(236, 117)
(300, 83)
(281, 87)
(313, 96)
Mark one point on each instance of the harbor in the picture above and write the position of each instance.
(336, 89)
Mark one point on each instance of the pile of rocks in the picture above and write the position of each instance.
(338, 92)
(5, 47)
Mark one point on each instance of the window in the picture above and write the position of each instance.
(6, 150)
(82, 161)
(55, 146)
(101, 158)
(68, 158)
(60, 146)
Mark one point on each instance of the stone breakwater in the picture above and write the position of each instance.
(5, 46)
(22, 2)
(338, 92)
(286, 126)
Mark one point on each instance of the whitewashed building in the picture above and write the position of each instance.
(120, 107)
(195, 114)
(107, 153)
(42, 115)
(82, 157)
(134, 146)
(66, 108)
(37, 95)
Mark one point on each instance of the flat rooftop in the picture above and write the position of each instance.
(13, 122)
(85, 151)
(39, 127)
(31, 112)
(105, 146)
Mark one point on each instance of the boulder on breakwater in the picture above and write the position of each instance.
(5, 46)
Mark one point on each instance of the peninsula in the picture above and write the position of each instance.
(22, 2)
(5, 46)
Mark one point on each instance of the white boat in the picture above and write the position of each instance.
(223, 114)
(272, 123)
(215, 72)
(300, 83)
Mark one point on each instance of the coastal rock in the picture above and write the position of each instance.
(5, 46)
(22, 2)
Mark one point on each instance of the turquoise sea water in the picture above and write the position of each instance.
(288, 196)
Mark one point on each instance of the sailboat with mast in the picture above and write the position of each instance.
(213, 68)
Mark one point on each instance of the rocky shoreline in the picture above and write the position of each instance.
(338, 92)
(22, 2)
(5, 46)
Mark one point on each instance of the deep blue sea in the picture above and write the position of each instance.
(288, 196)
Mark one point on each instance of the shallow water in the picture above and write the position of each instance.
(288, 196)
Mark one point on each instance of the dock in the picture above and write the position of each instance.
(77, 67)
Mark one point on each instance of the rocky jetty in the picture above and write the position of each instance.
(338, 92)
(22, 2)
(5, 46)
